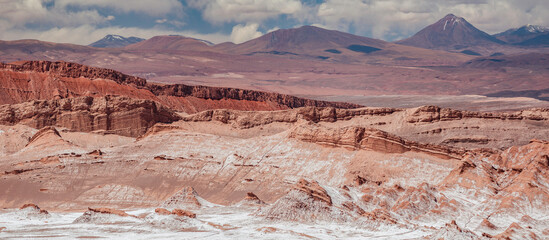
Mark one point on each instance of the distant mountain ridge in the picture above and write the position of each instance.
(521, 34)
(306, 39)
(450, 33)
(171, 42)
(115, 41)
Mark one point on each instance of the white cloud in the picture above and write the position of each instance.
(50, 20)
(220, 11)
(242, 33)
(19, 14)
(71, 20)
(273, 29)
(150, 7)
(86, 34)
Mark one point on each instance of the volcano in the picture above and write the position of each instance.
(450, 33)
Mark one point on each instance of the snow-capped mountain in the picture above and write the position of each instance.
(521, 34)
(115, 41)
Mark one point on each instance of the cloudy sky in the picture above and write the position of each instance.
(85, 21)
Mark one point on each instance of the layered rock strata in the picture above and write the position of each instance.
(109, 114)
(369, 139)
(31, 80)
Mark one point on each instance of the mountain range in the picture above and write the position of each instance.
(522, 34)
(312, 61)
(451, 33)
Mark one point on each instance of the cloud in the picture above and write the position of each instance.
(221, 11)
(86, 34)
(21, 14)
(149, 7)
(60, 21)
(395, 19)
(242, 33)
(71, 20)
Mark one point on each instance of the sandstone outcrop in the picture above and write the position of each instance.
(186, 198)
(306, 201)
(104, 216)
(32, 211)
(183, 213)
(314, 190)
(369, 139)
(44, 80)
(109, 114)
(216, 93)
(43, 133)
(34, 207)
(434, 114)
(109, 211)
(241, 119)
(252, 198)
(177, 212)
(73, 70)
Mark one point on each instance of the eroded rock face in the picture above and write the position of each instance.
(44, 80)
(244, 120)
(32, 211)
(306, 201)
(216, 93)
(109, 211)
(103, 215)
(252, 198)
(73, 70)
(49, 130)
(34, 207)
(177, 212)
(314, 190)
(186, 198)
(368, 138)
(434, 114)
(110, 114)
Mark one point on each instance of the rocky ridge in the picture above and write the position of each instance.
(240, 119)
(434, 114)
(73, 70)
(369, 138)
(109, 114)
(65, 80)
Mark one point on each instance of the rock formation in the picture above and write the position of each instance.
(104, 216)
(109, 114)
(371, 139)
(177, 212)
(73, 70)
(307, 201)
(216, 93)
(434, 113)
(186, 198)
(34, 207)
(44, 80)
(240, 119)
(251, 198)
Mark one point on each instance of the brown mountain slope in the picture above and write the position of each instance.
(450, 33)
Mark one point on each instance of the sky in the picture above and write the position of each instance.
(85, 21)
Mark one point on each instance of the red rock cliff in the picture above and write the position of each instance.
(109, 114)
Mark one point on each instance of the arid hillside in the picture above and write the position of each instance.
(83, 148)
